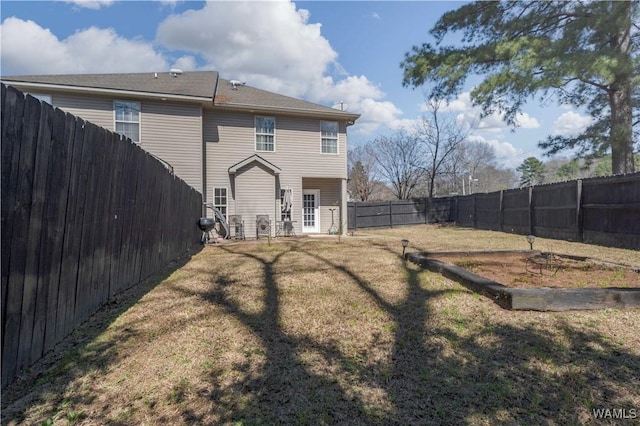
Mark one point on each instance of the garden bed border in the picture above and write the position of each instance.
(533, 299)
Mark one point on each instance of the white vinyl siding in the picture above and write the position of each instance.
(173, 132)
(255, 194)
(265, 133)
(127, 119)
(97, 110)
(329, 136)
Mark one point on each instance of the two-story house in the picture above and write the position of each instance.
(248, 151)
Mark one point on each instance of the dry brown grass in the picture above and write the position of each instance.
(321, 332)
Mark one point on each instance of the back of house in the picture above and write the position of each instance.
(250, 152)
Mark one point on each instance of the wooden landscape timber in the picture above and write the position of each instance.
(534, 299)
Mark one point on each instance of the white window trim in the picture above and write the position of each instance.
(255, 133)
(337, 138)
(226, 197)
(139, 142)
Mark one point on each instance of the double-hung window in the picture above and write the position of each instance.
(265, 133)
(220, 200)
(127, 118)
(329, 131)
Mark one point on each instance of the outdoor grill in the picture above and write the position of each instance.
(206, 224)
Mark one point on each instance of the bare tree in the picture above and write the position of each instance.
(401, 161)
(363, 173)
(442, 137)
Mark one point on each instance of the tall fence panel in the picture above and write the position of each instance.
(611, 211)
(555, 211)
(381, 214)
(465, 214)
(488, 211)
(85, 214)
(516, 211)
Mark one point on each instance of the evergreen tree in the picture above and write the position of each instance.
(584, 52)
(532, 172)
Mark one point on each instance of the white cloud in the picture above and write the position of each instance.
(506, 154)
(570, 123)
(375, 16)
(28, 48)
(91, 4)
(272, 45)
(493, 123)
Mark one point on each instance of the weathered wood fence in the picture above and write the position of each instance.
(603, 211)
(85, 215)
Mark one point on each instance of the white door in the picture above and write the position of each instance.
(310, 211)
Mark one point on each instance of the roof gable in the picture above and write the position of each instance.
(254, 158)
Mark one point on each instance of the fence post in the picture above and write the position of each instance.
(426, 210)
(475, 213)
(355, 216)
(390, 214)
(500, 225)
(531, 210)
(579, 233)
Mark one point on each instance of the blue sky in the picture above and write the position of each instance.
(321, 51)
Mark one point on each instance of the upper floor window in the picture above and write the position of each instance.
(265, 133)
(329, 130)
(42, 97)
(127, 118)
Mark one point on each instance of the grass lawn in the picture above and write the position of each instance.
(318, 331)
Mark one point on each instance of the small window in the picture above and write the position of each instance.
(329, 130)
(127, 118)
(265, 133)
(42, 97)
(220, 200)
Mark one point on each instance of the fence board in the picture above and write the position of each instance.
(11, 113)
(72, 235)
(56, 214)
(38, 252)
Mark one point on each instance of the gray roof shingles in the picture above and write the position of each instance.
(197, 84)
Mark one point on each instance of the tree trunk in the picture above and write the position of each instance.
(621, 132)
(620, 100)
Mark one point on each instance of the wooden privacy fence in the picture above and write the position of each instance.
(85, 215)
(398, 212)
(604, 211)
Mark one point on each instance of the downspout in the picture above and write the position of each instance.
(205, 198)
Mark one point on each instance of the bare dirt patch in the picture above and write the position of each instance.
(531, 270)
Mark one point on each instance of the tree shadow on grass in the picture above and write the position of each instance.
(79, 353)
(462, 370)
(444, 365)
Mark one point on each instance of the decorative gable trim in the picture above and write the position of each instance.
(273, 168)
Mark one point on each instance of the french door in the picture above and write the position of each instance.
(311, 211)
